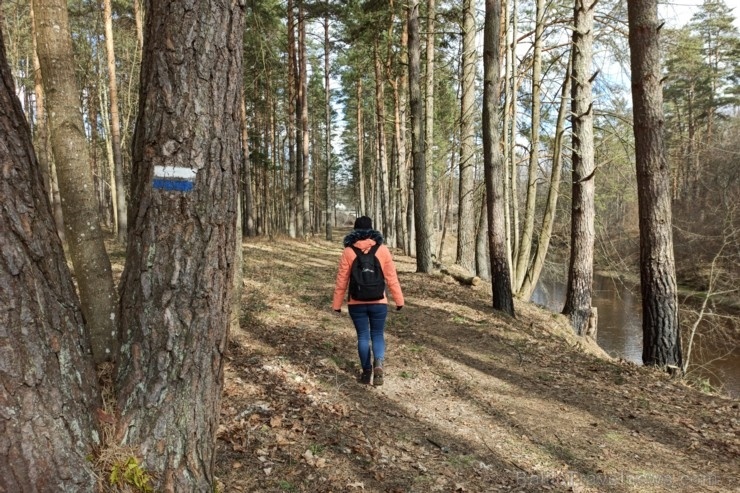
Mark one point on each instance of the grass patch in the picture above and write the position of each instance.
(287, 486)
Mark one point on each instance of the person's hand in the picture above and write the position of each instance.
(398, 308)
(338, 312)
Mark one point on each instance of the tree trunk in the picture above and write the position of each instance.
(384, 187)
(401, 99)
(293, 158)
(466, 209)
(493, 162)
(482, 256)
(361, 149)
(176, 290)
(139, 21)
(660, 328)
(429, 106)
(115, 125)
(246, 188)
(41, 134)
(305, 177)
(525, 243)
(41, 138)
(548, 219)
(79, 205)
(446, 219)
(327, 190)
(512, 211)
(47, 383)
(421, 217)
(580, 272)
(509, 104)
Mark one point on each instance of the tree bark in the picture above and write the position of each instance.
(305, 177)
(548, 219)
(482, 257)
(361, 148)
(327, 143)
(512, 197)
(47, 384)
(525, 243)
(580, 273)
(422, 221)
(176, 290)
(79, 205)
(248, 228)
(293, 155)
(429, 105)
(660, 325)
(115, 124)
(466, 208)
(384, 186)
(400, 89)
(41, 134)
(493, 162)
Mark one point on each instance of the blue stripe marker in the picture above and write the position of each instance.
(174, 178)
(173, 185)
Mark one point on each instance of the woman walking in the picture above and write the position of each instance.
(367, 302)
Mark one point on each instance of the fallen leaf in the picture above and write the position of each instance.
(356, 485)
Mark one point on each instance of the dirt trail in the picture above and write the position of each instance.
(472, 401)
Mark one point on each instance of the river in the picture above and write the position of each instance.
(620, 331)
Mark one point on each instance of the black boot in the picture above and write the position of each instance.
(366, 376)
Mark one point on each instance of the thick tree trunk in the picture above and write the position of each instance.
(47, 383)
(493, 161)
(580, 272)
(79, 205)
(176, 290)
(660, 328)
(115, 124)
(422, 221)
(466, 209)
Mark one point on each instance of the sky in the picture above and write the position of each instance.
(679, 12)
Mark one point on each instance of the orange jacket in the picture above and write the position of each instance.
(389, 272)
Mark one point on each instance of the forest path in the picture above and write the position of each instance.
(473, 401)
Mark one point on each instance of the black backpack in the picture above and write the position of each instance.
(366, 280)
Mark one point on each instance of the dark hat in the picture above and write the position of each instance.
(363, 222)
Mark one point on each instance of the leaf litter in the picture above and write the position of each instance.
(472, 401)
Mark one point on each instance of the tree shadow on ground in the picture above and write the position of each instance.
(512, 403)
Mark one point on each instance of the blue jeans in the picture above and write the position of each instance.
(369, 323)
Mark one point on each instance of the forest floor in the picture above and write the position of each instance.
(473, 401)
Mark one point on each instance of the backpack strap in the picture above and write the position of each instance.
(372, 250)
